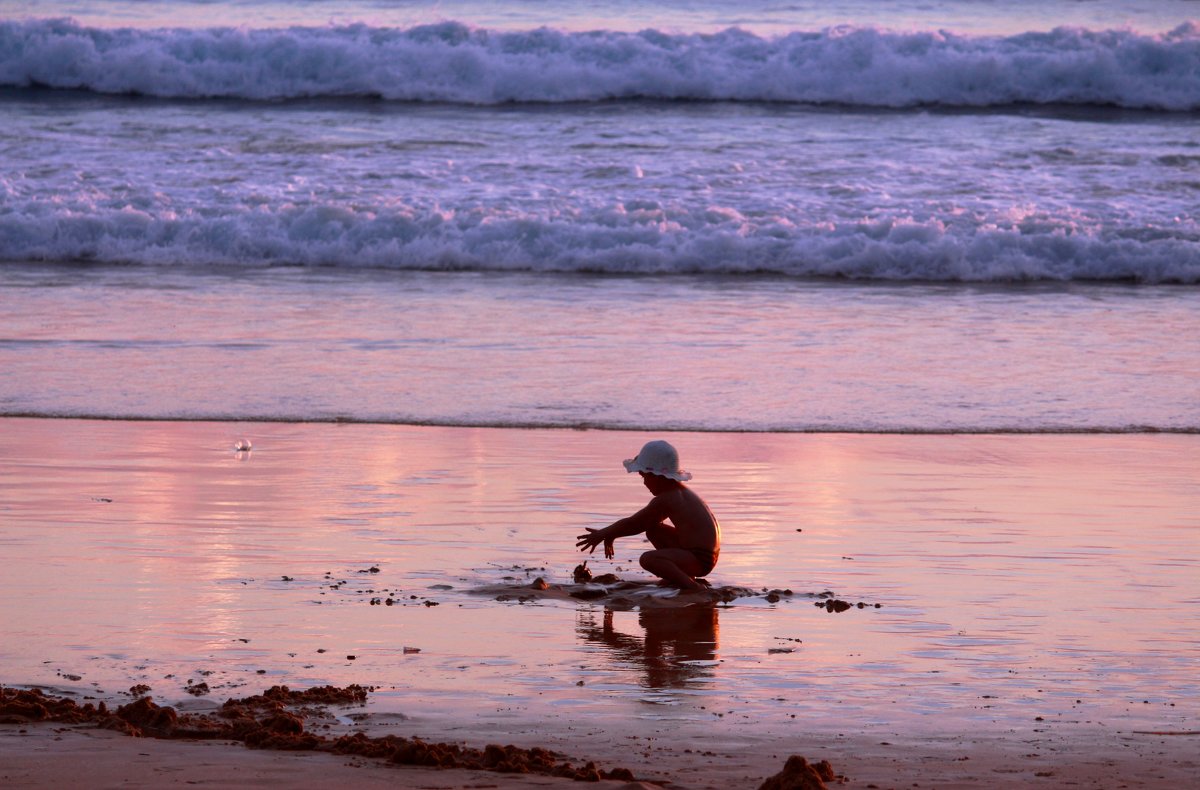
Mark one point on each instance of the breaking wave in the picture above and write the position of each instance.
(452, 62)
(617, 239)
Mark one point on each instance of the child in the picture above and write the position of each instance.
(683, 552)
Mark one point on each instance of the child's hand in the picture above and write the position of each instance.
(594, 538)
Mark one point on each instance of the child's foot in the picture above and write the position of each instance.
(702, 582)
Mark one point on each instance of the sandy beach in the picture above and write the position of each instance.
(51, 756)
(327, 328)
(71, 757)
(244, 570)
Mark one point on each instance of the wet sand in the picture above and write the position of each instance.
(1033, 625)
(54, 756)
(283, 720)
(49, 756)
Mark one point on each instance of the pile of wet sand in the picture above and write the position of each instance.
(799, 774)
(614, 592)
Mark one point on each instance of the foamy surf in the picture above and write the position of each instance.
(622, 238)
(454, 62)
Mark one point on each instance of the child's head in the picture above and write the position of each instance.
(658, 458)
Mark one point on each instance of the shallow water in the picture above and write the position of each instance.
(699, 353)
(1019, 576)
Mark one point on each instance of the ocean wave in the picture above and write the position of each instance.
(451, 62)
(633, 238)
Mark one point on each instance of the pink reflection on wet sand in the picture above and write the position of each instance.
(1017, 575)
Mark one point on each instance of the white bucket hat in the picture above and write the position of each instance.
(658, 458)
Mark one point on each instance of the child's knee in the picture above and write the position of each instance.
(661, 536)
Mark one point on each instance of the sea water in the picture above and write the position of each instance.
(663, 352)
(874, 217)
(892, 147)
(665, 216)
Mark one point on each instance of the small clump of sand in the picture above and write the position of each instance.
(799, 774)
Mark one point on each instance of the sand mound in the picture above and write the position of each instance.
(616, 593)
(799, 774)
(22, 707)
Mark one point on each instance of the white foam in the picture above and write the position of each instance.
(613, 239)
(451, 62)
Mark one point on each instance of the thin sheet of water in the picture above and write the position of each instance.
(577, 350)
(1021, 579)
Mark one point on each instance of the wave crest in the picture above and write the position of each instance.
(451, 62)
(618, 239)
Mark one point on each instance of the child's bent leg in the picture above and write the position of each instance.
(677, 566)
(663, 536)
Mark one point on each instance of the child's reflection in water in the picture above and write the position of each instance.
(678, 645)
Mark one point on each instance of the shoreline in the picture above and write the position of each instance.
(1132, 430)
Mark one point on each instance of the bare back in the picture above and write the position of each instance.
(694, 522)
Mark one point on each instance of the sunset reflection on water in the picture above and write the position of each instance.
(674, 647)
(1029, 568)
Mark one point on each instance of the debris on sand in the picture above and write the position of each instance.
(614, 592)
(353, 694)
(838, 605)
(502, 759)
(276, 718)
(22, 707)
(195, 689)
(799, 774)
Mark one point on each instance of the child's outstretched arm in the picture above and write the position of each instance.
(639, 522)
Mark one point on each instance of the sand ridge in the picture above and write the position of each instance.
(276, 718)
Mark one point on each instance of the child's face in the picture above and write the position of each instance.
(653, 482)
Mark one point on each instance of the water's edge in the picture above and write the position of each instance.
(617, 428)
